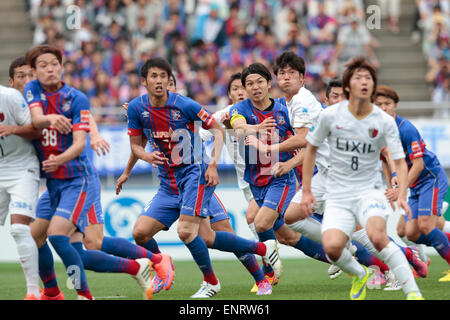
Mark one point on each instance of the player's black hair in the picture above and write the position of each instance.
(18, 62)
(257, 68)
(158, 62)
(334, 83)
(291, 59)
(233, 77)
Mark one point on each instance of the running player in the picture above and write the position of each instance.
(167, 117)
(160, 215)
(426, 179)
(19, 172)
(357, 131)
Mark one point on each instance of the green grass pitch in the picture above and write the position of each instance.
(302, 279)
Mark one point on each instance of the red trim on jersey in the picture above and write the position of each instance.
(35, 105)
(283, 199)
(199, 201)
(208, 124)
(434, 202)
(78, 207)
(81, 127)
(92, 215)
(134, 132)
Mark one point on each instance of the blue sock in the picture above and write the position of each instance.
(100, 261)
(423, 239)
(46, 267)
(72, 261)
(267, 235)
(439, 241)
(227, 241)
(251, 264)
(123, 248)
(199, 252)
(311, 248)
(364, 256)
(152, 245)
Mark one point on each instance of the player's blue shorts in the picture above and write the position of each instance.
(276, 195)
(427, 199)
(194, 193)
(72, 199)
(165, 207)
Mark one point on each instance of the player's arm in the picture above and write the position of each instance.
(211, 174)
(282, 168)
(294, 142)
(98, 143)
(27, 132)
(391, 180)
(243, 129)
(129, 167)
(77, 147)
(155, 158)
(40, 121)
(415, 170)
(309, 162)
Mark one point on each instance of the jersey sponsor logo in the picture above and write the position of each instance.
(145, 114)
(373, 132)
(43, 97)
(85, 115)
(2, 117)
(354, 146)
(203, 115)
(29, 96)
(415, 147)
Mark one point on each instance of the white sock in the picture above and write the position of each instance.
(253, 230)
(348, 264)
(396, 260)
(309, 227)
(28, 255)
(446, 227)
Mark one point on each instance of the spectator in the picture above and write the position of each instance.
(210, 28)
(391, 9)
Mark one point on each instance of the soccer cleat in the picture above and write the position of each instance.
(207, 290)
(334, 272)
(143, 277)
(264, 288)
(80, 297)
(359, 285)
(158, 284)
(419, 266)
(272, 258)
(444, 207)
(391, 282)
(59, 296)
(445, 278)
(273, 280)
(414, 296)
(376, 281)
(165, 270)
(30, 296)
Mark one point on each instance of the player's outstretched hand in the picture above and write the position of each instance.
(392, 194)
(403, 205)
(307, 203)
(51, 164)
(122, 179)
(253, 141)
(6, 130)
(155, 158)
(211, 176)
(100, 145)
(59, 122)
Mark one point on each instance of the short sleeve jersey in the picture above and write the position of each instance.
(258, 166)
(414, 147)
(16, 153)
(355, 147)
(172, 128)
(74, 105)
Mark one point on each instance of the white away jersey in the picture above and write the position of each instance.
(304, 111)
(355, 147)
(16, 153)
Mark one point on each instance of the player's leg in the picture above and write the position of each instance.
(250, 215)
(23, 197)
(372, 213)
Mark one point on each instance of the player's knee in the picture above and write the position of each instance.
(140, 237)
(425, 227)
(333, 250)
(92, 243)
(185, 235)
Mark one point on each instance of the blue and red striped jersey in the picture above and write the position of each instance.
(414, 148)
(257, 165)
(172, 128)
(74, 105)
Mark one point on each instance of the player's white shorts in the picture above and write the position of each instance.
(346, 213)
(318, 189)
(19, 195)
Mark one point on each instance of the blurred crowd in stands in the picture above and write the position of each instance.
(208, 40)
